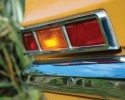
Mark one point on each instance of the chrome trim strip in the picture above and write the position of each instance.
(109, 30)
(105, 25)
(104, 79)
(67, 38)
(37, 42)
(96, 68)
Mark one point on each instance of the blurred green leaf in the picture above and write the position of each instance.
(5, 84)
(5, 98)
(12, 59)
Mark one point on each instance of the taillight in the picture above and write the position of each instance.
(51, 38)
(82, 34)
(29, 41)
(85, 33)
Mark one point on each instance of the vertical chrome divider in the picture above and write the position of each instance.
(36, 39)
(66, 36)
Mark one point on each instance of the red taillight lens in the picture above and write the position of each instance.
(51, 38)
(29, 41)
(85, 33)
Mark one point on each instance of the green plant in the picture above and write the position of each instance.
(12, 59)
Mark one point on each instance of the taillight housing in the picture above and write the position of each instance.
(90, 32)
(29, 41)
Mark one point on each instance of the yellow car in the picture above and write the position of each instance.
(78, 48)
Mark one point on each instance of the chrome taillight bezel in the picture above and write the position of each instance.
(111, 42)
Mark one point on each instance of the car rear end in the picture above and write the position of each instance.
(78, 48)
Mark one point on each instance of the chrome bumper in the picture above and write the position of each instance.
(79, 77)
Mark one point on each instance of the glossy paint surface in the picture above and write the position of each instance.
(54, 96)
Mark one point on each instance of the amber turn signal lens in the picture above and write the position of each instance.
(51, 38)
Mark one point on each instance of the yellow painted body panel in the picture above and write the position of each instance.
(54, 96)
(61, 96)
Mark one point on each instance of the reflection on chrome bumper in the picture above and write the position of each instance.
(106, 80)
